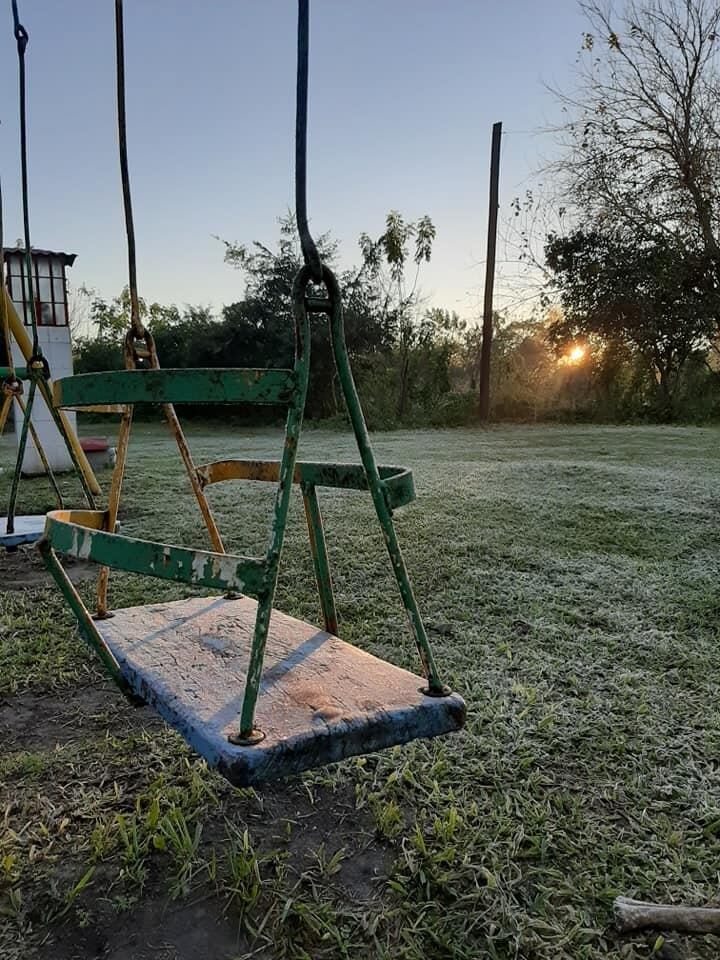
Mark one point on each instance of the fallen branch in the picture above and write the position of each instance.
(637, 915)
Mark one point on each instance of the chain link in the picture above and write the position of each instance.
(136, 324)
(309, 249)
(22, 37)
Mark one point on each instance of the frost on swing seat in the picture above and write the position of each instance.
(27, 529)
(321, 699)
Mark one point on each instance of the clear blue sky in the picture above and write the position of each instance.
(403, 94)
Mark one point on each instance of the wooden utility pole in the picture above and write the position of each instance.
(490, 274)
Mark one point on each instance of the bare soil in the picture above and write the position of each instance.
(156, 927)
(22, 569)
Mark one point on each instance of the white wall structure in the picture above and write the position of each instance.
(49, 301)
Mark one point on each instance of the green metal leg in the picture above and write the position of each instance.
(377, 487)
(293, 426)
(318, 547)
(54, 413)
(22, 444)
(248, 734)
(45, 462)
(87, 627)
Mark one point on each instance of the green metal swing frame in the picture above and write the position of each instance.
(322, 699)
(85, 534)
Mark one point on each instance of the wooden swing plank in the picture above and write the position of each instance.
(320, 699)
(27, 529)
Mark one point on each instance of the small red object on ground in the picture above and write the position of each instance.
(94, 444)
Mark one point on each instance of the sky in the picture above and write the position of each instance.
(403, 95)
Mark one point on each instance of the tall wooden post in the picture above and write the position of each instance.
(486, 349)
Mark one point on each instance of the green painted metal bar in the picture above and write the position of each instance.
(282, 502)
(72, 448)
(22, 444)
(176, 386)
(49, 473)
(165, 561)
(398, 481)
(378, 489)
(321, 562)
(38, 382)
(88, 629)
(22, 373)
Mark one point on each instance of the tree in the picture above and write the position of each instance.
(176, 333)
(641, 146)
(386, 260)
(655, 297)
(524, 371)
(401, 356)
(260, 327)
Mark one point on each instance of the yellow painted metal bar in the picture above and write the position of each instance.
(4, 411)
(40, 449)
(108, 408)
(25, 344)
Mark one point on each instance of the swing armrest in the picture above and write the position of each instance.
(346, 476)
(79, 534)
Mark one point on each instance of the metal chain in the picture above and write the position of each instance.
(134, 350)
(4, 320)
(309, 249)
(22, 37)
(136, 326)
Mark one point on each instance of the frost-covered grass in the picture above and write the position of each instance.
(570, 578)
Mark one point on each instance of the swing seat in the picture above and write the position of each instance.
(28, 529)
(228, 666)
(321, 699)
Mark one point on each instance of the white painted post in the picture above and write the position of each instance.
(50, 299)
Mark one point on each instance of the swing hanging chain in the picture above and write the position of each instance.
(140, 343)
(22, 37)
(11, 379)
(309, 249)
(137, 330)
(331, 304)
(10, 386)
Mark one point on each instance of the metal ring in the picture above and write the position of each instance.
(38, 360)
(12, 387)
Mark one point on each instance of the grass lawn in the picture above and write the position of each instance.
(570, 577)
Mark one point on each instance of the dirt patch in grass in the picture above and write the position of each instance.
(31, 720)
(22, 569)
(125, 846)
(153, 930)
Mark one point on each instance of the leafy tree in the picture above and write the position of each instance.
(386, 260)
(656, 298)
(524, 372)
(401, 355)
(642, 139)
(110, 321)
(261, 327)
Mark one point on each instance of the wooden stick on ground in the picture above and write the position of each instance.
(636, 915)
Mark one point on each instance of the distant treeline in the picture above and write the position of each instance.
(419, 367)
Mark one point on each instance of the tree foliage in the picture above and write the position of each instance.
(653, 297)
(641, 145)
(386, 261)
(401, 353)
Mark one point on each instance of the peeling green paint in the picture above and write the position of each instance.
(212, 385)
(84, 534)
